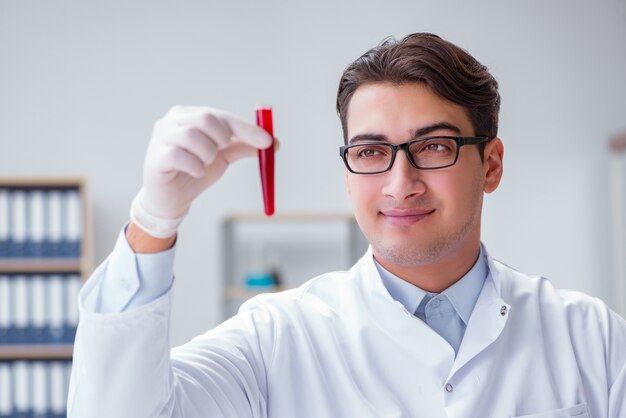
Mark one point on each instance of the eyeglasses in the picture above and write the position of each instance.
(427, 153)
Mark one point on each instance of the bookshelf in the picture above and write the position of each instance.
(45, 256)
(283, 251)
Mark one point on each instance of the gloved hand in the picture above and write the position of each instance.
(190, 149)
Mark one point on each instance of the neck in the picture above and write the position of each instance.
(437, 276)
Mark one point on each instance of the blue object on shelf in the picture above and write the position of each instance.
(260, 280)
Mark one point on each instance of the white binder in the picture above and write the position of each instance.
(40, 405)
(73, 222)
(6, 390)
(21, 304)
(55, 307)
(21, 385)
(36, 221)
(72, 288)
(18, 223)
(54, 223)
(38, 308)
(4, 222)
(6, 302)
(58, 386)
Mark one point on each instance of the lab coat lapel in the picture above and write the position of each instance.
(487, 320)
(392, 319)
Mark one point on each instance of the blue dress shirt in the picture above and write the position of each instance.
(448, 312)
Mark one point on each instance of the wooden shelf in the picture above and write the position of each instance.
(290, 217)
(52, 182)
(40, 265)
(36, 352)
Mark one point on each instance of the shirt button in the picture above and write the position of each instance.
(449, 387)
(503, 310)
(436, 303)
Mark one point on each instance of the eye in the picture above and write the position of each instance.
(371, 151)
(436, 146)
(368, 152)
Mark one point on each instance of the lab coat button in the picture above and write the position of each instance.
(503, 310)
(449, 387)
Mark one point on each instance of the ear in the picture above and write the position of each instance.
(492, 166)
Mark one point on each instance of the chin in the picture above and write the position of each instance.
(408, 253)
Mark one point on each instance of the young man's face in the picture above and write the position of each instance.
(417, 217)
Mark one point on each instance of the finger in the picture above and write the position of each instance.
(208, 123)
(218, 123)
(239, 150)
(246, 132)
(197, 143)
(179, 160)
(276, 144)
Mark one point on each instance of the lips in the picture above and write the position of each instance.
(405, 216)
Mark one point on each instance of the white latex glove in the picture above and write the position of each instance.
(190, 149)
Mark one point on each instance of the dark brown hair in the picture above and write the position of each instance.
(448, 70)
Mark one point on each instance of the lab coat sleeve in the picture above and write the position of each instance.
(123, 367)
(615, 329)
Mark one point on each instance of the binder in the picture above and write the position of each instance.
(17, 247)
(54, 224)
(6, 391)
(21, 314)
(36, 223)
(21, 387)
(55, 307)
(6, 314)
(39, 329)
(73, 223)
(40, 405)
(34, 389)
(72, 288)
(59, 389)
(4, 222)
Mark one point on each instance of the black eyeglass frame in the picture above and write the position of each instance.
(460, 141)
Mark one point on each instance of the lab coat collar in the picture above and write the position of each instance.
(392, 318)
(485, 324)
(488, 318)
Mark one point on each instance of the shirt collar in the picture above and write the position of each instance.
(463, 294)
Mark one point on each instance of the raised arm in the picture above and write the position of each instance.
(122, 365)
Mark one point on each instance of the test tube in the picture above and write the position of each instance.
(266, 159)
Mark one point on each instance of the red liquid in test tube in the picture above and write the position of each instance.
(266, 159)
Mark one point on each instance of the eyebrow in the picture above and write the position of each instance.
(417, 134)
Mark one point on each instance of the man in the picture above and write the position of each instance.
(426, 324)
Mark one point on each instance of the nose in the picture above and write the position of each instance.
(403, 181)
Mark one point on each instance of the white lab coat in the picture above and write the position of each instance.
(340, 346)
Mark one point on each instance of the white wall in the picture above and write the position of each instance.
(81, 85)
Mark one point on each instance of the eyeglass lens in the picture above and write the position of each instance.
(431, 153)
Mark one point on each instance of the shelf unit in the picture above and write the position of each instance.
(50, 268)
(298, 246)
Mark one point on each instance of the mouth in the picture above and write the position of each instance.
(405, 216)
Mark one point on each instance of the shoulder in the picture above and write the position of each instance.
(520, 289)
(585, 318)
